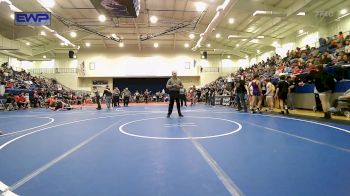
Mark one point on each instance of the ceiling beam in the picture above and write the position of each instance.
(291, 11)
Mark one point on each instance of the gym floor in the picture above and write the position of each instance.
(138, 151)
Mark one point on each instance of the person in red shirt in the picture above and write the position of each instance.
(21, 101)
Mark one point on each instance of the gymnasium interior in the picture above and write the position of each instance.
(174, 97)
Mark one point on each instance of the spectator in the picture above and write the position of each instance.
(241, 92)
(282, 94)
(291, 93)
(270, 93)
(325, 85)
(21, 101)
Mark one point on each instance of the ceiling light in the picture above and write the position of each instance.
(12, 16)
(44, 56)
(114, 35)
(218, 35)
(203, 57)
(186, 45)
(73, 34)
(258, 51)
(275, 44)
(343, 11)
(47, 3)
(121, 44)
(43, 33)
(87, 44)
(246, 56)
(244, 40)
(301, 14)
(200, 6)
(156, 45)
(260, 12)
(229, 56)
(153, 19)
(237, 45)
(301, 31)
(28, 44)
(231, 20)
(192, 36)
(74, 56)
(208, 45)
(261, 37)
(62, 44)
(102, 18)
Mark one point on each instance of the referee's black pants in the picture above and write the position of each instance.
(174, 96)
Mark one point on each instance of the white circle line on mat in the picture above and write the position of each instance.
(180, 138)
(16, 132)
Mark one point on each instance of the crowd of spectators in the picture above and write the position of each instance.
(300, 65)
(21, 90)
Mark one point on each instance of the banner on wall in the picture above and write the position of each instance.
(226, 101)
(82, 68)
(218, 100)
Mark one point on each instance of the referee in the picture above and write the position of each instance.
(173, 85)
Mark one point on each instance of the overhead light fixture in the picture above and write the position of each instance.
(200, 6)
(343, 11)
(244, 40)
(258, 51)
(261, 12)
(153, 19)
(275, 44)
(47, 3)
(301, 31)
(186, 45)
(231, 20)
(73, 34)
(12, 16)
(246, 56)
(302, 34)
(28, 44)
(74, 56)
(208, 45)
(43, 33)
(191, 36)
(121, 44)
(218, 35)
(228, 56)
(237, 37)
(156, 45)
(102, 18)
(62, 43)
(261, 37)
(203, 57)
(87, 44)
(44, 56)
(301, 14)
(237, 45)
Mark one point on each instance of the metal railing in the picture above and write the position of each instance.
(53, 70)
(209, 69)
